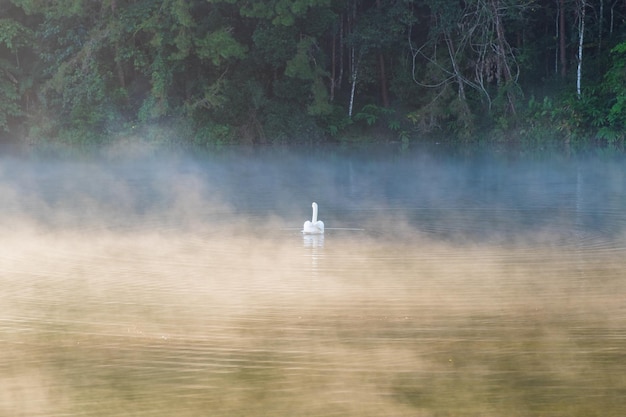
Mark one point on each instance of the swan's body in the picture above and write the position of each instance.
(313, 227)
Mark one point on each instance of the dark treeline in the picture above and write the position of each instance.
(251, 71)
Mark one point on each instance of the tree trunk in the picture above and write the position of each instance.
(384, 91)
(502, 56)
(354, 65)
(600, 24)
(581, 36)
(333, 71)
(341, 52)
(556, 37)
(563, 54)
(457, 75)
(354, 61)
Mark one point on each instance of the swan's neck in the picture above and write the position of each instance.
(314, 218)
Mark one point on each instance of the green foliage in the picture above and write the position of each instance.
(300, 65)
(14, 35)
(280, 12)
(224, 71)
(211, 135)
(9, 99)
(54, 10)
(448, 114)
(285, 123)
(182, 14)
(303, 66)
(320, 106)
(219, 46)
(336, 121)
(274, 45)
(384, 120)
(380, 27)
(370, 113)
(549, 120)
(613, 122)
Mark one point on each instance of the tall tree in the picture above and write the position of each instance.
(15, 81)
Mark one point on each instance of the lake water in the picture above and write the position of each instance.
(443, 286)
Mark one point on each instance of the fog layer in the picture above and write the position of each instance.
(183, 286)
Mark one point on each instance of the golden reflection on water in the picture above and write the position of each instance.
(222, 323)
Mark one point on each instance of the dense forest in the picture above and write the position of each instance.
(209, 72)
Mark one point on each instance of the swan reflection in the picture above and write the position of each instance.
(313, 241)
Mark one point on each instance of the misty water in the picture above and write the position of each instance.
(182, 286)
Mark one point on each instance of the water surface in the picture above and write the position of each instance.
(443, 286)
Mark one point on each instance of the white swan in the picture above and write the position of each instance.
(313, 227)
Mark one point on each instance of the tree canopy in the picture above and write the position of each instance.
(251, 71)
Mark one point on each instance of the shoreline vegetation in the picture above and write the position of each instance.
(161, 141)
(211, 74)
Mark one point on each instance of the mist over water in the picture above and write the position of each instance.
(444, 285)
